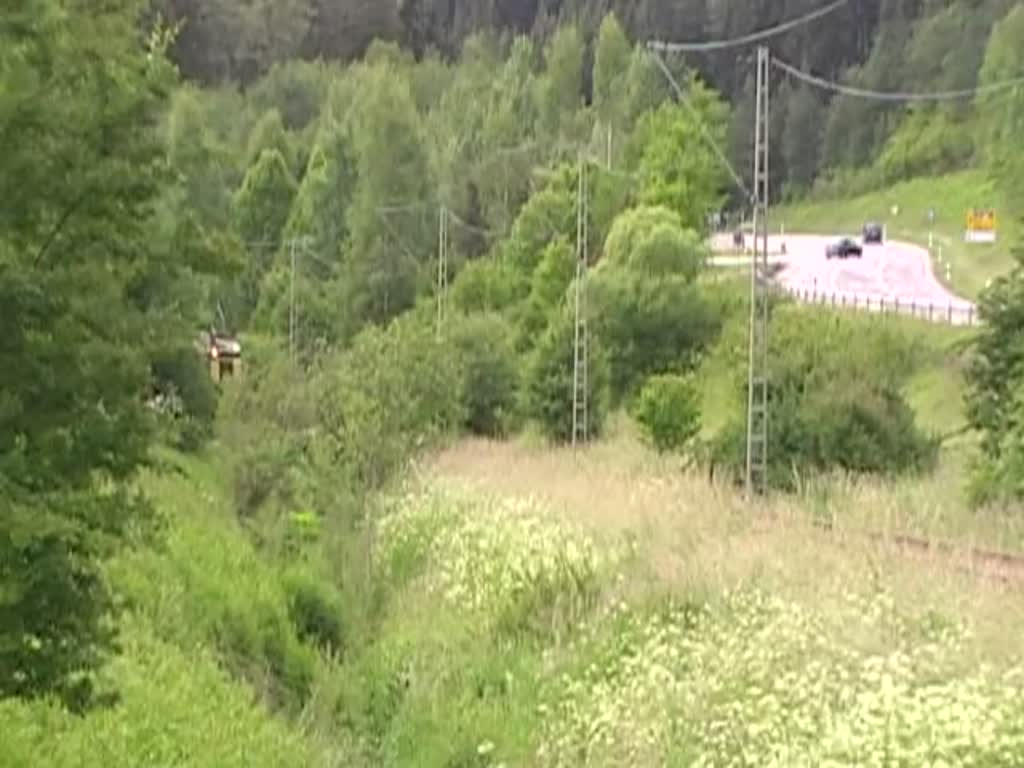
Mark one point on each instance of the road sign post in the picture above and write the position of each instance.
(982, 226)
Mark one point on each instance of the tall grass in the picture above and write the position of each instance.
(176, 707)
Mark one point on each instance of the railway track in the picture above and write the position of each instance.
(1002, 566)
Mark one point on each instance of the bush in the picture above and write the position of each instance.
(668, 412)
(649, 326)
(549, 381)
(265, 422)
(395, 391)
(316, 610)
(836, 401)
(181, 375)
(995, 381)
(486, 286)
(490, 385)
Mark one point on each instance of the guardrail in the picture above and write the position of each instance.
(951, 313)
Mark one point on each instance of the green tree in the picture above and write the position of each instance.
(549, 381)
(1002, 114)
(650, 241)
(205, 165)
(268, 134)
(611, 70)
(490, 368)
(261, 208)
(649, 325)
(801, 141)
(388, 248)
(668, 411)
(560, 89)
(995, 378)
(78, 99)
(678, 169)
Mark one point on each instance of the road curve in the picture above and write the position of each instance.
(894, 275)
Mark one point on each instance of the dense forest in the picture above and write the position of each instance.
(901, 45)
(292, 171)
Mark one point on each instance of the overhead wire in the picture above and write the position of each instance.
(894, 96)
(708, 138)
(753, 37)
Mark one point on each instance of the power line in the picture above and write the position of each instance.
(723, 159)
(482, 231)
(764, 34)
(895, 96)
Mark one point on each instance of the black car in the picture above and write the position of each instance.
(844, 249)
(873, 233)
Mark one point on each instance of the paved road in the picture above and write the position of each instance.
(895, 276)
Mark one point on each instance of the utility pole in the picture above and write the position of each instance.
(757, 376)
(442, 271)
(581, 345)
(291, 306)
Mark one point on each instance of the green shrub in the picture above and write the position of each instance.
(486, 285)
(649, 326)
(490, 371)
(316, 610)
(394, 392)
(836, 400)
(632, 227)
(549, 381)
(181, 373)
(265, 421)
(668, 412)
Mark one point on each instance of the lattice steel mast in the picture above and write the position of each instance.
(757, 376)
(581, 342)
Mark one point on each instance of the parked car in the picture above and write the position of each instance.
(873, 233)
(844, 249)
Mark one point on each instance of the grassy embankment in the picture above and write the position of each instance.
(971, 266)
(536, 606)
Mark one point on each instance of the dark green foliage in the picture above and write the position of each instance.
(316, 611)
(490, 368)
(650, 315)
(649, 325)
(668, 411)
(296, 89)
(261, 207)
(74, 352)
(549, 381)
(269, 135)
(836, 401)
(677, 170)
(394, 391)
(485, 286)
(995, 379)
(548, 285)
(181, 374)
(265, 423)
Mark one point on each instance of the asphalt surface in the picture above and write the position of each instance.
(891, 277)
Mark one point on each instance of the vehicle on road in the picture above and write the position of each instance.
(873, 233)
(844, 249)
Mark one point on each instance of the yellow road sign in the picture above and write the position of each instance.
(981, 220)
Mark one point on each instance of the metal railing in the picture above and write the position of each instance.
(948, 313)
